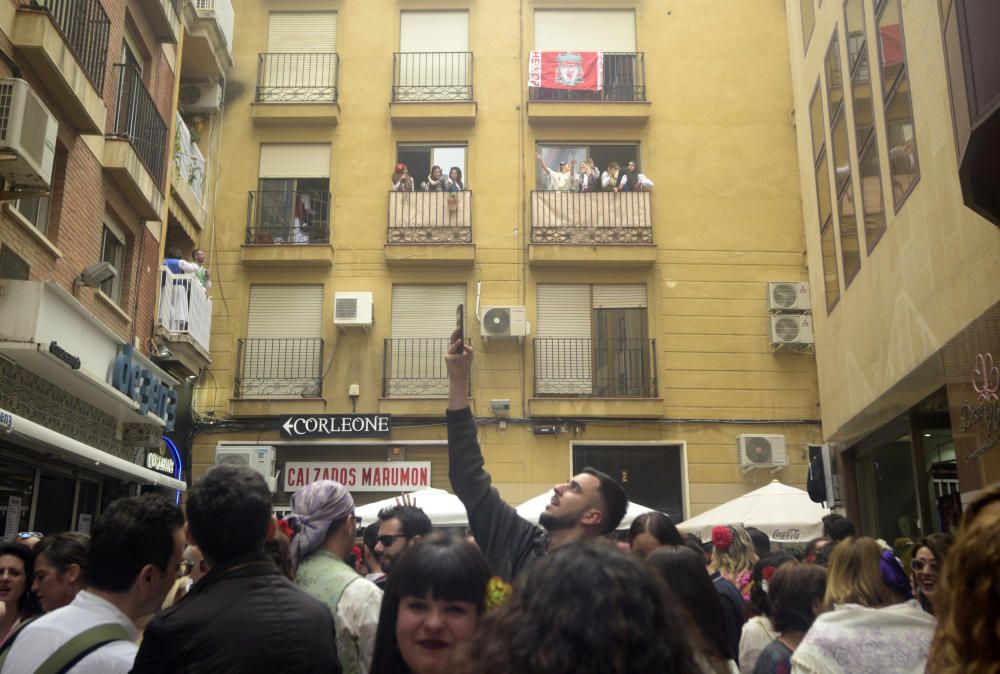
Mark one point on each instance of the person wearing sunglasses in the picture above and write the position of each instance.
(927, 555)
(29, 539)
(399, 527)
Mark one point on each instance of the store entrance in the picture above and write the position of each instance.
(55, 503)
(651, 474)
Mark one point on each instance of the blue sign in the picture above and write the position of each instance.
(142, 386)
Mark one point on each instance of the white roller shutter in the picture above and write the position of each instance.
(283, 352)
(563, 311)
(585, 30)
(285, 311)
(563, 348)
(295, 160)
(302, 32)
(433, 31)
(425, 310)
(619, 297)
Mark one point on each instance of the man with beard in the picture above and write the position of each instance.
(589, 505)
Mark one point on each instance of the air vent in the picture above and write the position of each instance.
(346, 308)
(791, 329)
(12, 266)
(504, 322)
(761, 451)
(788, 296)
(353, 309)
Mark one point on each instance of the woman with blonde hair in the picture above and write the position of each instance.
(967, 639)
(871, 624)
(733, 556)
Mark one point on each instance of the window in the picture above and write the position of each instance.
(855, 24)
(301, 61)
(592, 341)
(808, 16)
(292, 204)
(603, 155)
(904, 167)
(423, 318)
(35, 211)
(840, 151)
(419, 158)
(113, 252)
(821, 171)
(434, 62)
(282, 354)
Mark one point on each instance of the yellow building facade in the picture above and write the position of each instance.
(906, 279)
(648, 346)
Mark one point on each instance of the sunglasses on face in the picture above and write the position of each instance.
(25, 535)
(388, 539)
(920, 565)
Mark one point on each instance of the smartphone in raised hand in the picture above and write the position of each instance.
(460, 328)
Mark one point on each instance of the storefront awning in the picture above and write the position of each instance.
(38, 437)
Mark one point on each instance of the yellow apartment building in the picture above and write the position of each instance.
(905, 278)
(635, 331)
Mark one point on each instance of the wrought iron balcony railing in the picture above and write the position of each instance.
(432, 76)
(288, 217)
(591, 217)
(430, 217)
(290, 366)
(414, 367)
(138, 121)
(297, 78)
(624, 80)
(568, 367)
(86, 28)
(185, 307)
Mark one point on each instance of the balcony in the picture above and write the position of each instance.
(299, 88)
(598, 228)
(430, 228)
(135, 150)
(66, 43)
(184, 321)
(432, 87)
(595, 377)
(188, 188)
(622, 97)
(208, 44)
(285, 227)
(164, 18)
(284, 367)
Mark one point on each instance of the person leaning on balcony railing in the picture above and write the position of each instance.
(436, 182)
(174, 312)
(455, 182)
(614, 179)
(635, 181)
(202, 272)
(401, 179)
(562, 181)
(589, 176)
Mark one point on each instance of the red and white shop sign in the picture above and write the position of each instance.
(394, 476)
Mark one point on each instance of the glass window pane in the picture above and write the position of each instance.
(808, 14)
(903, 165)
(871, 194)
(864, 112)
(890, 43)
(850, 249)
(834, 78)
(113, 251)
(841, 154)
(831, 282)
(36, 210)
(855, 18)
(823, 191)
(816, 120)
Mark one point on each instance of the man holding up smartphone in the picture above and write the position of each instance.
(589, 505)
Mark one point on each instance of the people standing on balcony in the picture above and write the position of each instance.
(635, 181)
(455, 183)
(304, 212)
(589, 177)
(203, 272)
(436, 182)
(401, 179)
(562, 180)
(614, 180)
(174, 295)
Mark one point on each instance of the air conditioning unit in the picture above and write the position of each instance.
(761, 451)
(788, 296)
(204, 98)
(791, 329)
(504, 322)
(353, 310)
(27, 136)
(258, 457)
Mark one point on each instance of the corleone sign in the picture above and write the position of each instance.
(394, 476)
(336, 426)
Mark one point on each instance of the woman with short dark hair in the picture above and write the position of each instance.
(796, 593)
(59, 564)
(651, 530)
(17, 604)
(926, 559)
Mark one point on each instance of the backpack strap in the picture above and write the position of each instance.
(82, 645)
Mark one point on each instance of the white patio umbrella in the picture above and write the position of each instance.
(532, 509)
(444, 508)
(784, 513)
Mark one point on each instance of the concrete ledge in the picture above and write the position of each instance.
(438, 112)
(43, 48)
(624, 408)
(184, 196)
(448, 254)
(206, 52)
(430, 406)
(279, 254)
(287, 114)
(164, 21)
(561, 255)
(122, 163)
(270, 407)
(554, 112)
(189, 357)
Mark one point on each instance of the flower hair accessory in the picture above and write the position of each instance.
(286, 528)
(722, 538)
(766, 576)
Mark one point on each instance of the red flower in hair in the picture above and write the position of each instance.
(768, 572)
(722, 538)
(285, 528)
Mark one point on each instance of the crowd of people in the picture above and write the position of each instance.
(436, 181)
(226, 587)
(585, 176)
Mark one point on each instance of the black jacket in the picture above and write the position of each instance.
(243, 616)
(510, 542)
